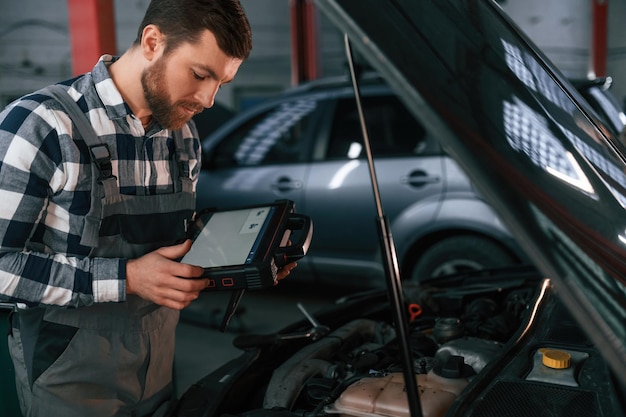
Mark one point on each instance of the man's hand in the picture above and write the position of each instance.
(284, 271)
(159, 278)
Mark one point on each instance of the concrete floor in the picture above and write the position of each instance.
(201, 347)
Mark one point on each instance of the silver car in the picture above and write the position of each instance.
(305, 145)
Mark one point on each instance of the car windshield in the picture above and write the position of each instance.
(511, 120)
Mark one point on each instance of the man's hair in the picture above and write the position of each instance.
(185, 20)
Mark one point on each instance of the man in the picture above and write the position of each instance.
(95, 280)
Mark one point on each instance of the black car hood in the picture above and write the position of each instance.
(555, 175)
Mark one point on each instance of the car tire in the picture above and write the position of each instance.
(460, 254)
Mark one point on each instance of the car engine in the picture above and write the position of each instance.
(355, 370)
(493, 346)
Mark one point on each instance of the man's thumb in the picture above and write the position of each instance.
(175, 251)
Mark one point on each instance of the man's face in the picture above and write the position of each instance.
(185, 81)
(171, 115)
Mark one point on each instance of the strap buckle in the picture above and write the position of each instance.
(102, 157)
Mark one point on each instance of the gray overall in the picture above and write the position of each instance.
(110, 359)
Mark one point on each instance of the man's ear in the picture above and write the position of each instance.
(152, 42)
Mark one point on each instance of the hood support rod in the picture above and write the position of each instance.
(390, 260)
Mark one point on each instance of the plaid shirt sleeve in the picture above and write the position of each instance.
(40, 201)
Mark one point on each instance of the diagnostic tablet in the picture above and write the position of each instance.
(243, 248)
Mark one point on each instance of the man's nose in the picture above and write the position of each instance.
(206, 94)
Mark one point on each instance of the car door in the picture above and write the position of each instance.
(339, 195)
(259, 157)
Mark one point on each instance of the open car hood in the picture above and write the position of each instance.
(556, 176)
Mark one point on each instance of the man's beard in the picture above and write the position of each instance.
(170, 115)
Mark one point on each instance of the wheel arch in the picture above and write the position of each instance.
(409, 258)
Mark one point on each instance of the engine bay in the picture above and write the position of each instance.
(355, 371)
(467, 343)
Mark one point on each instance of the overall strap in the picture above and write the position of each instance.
(101, 158)
(183, 164)
(99, 151)
(103, 178)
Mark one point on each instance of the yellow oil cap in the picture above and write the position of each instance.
(556, 359)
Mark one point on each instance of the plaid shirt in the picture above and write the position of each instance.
(45, 190)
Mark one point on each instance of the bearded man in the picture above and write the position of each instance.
(90, 227)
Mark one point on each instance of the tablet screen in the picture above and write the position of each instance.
(228, 237)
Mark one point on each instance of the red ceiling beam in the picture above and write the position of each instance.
(598, 55)
(304, 48)
(92, 32)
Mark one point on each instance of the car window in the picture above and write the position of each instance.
(272, 137)
(392, 130)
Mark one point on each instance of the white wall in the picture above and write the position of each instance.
(34, 42)
(562, 29)
(34, 45)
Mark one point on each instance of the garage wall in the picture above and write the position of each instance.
(562, 28)
(34, 43)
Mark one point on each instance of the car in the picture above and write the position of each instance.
(305, 145)
(517, 341)
(296, 146)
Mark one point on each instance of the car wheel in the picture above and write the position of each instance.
(459, 254)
